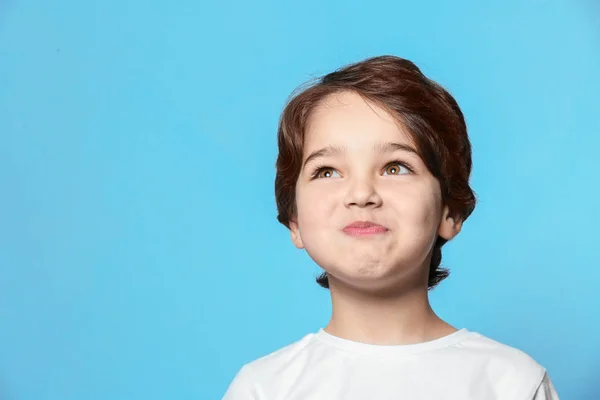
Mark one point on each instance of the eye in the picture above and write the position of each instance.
(396, 168)
(325, 172)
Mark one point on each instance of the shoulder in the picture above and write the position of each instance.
(279, 359)
(508, 366)
(546, 390)
(500, 353)
(247, 382)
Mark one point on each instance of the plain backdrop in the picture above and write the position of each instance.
(140, 256)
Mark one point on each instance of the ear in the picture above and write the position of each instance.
(295, 234)
(449, 226)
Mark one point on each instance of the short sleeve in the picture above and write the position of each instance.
(546, 390)
(243, 386)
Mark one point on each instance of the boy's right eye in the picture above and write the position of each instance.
(325, 172)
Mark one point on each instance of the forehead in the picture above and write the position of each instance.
(346, 119)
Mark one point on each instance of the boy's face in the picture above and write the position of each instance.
(361, 171)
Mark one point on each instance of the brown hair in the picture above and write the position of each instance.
(430, 114)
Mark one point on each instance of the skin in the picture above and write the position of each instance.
(378, 283)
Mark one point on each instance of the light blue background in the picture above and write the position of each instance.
(140, 257)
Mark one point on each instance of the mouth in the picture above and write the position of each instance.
(364, 228)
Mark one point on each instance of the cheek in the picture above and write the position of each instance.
(417, 207)
(318, 219)
(314, 207)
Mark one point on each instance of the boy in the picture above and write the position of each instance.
(372, 180)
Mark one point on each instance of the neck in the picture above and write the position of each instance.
(402, 318)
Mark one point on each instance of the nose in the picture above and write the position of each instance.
(363, 194)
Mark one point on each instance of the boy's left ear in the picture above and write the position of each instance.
(449, 226)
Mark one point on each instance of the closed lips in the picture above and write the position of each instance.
(362, 228)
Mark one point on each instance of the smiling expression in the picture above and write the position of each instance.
(368, 209)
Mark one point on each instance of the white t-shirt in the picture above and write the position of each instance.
(461, 366)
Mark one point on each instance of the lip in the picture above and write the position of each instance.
(364, 228)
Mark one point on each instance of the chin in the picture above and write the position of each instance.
(364, 284)
(371, 271)
(375, 274)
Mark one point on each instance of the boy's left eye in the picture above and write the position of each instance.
(395, 168)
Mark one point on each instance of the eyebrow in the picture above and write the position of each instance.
(328, 151)
(390, 147)
(382, 148)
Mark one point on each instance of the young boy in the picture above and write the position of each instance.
(372, 180)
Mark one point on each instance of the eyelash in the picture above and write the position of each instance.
(320, 168)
